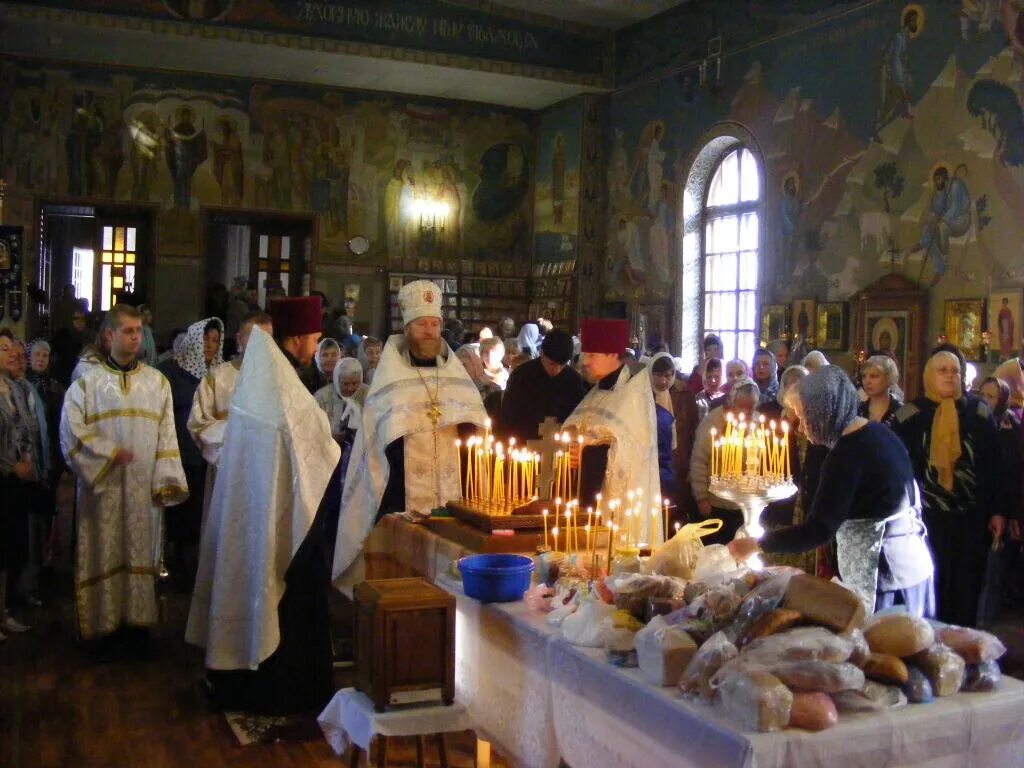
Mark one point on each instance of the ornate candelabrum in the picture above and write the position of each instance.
(750, 467)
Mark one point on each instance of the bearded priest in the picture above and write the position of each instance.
(618, 424)
(405, 458)
(260, 602)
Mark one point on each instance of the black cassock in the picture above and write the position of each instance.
(532, 396)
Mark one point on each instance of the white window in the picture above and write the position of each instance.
(81, 274)
(730, 253)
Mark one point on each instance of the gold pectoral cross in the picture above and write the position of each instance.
(434, 414)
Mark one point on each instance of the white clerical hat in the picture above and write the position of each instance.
(420, 298)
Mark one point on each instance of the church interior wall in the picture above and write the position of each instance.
(859, 111)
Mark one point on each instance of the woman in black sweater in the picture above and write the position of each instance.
(867, 498)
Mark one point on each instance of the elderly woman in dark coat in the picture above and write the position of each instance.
(867, 498)
(954, 446)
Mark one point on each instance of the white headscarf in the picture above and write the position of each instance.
(325, 344)
(190, 356)
(347, 367)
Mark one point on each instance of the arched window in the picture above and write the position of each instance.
(730, 249)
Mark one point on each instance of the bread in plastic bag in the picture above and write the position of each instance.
(943, 668)
(663, 651)
(583, 628)
(718, 606)
(873, 697)
(709, 658)
(760, 601)
(917, 688)
(861, 649)
(756, 699)
(898, 634)
(771, 623)
(973, 645)
(812, 643)
(800, 675)
(982, 677)
(886, 668)
(812, 711)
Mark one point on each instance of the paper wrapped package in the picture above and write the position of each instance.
(663, 651)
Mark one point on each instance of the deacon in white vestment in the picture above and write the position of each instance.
(117, 435)
(208, 419)
(259, 607)
(404, 458)
(618, 423)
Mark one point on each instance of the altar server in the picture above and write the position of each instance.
(117, 435)
(208, 419)
(260, 601)
(404, 457)
(617, 421)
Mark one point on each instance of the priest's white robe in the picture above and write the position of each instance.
(397, 406)
(208, 420)
(623, 418)
(275, 462)
(119, 508)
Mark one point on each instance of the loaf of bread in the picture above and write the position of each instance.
(812, 711)
(825, 603)
(756, 699)
(974, 645)
(899, 634)
(769, 624)
(943, 668)
(886, 669)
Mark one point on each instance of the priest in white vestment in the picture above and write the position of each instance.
(260, 603)
(404, 458)
(117, 435)
(208, 419)
(618, 423)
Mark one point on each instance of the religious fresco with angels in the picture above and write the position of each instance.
(367, 164)
(893, 138)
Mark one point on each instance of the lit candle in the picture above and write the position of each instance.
(785, 445)
(458, 454)
(544, 514)
(554, 536)
(714, 452)
(664, 503)
(568, 531)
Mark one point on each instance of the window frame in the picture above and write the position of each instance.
(708, 213)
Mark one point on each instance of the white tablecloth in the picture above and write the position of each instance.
(349, 718)
(539, 699)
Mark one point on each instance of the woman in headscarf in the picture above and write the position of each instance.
(742, 399)
(997, 393)
(814, 360)
(321, 373)
(51, 394)
(677, 421)
(711, 394)
(529, 339)
(337, 400)
(766, 376)
(735, 369)
(780, 348)
(1011, 374)
(201, 351)
(492, 352)
(347, 381)
(953, 446)
(879, 378)
(867, 499)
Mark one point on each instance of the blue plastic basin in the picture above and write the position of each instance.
(496, 578)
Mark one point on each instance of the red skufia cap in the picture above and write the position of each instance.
(610, 337)
(296, 315)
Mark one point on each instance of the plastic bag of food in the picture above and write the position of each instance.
(898, 634)
(917, 688)
(873, 697)
(823, 676)
(886, 668)
(758, 602)
(982, 677)
(538, 597)
(812, 711)
(583, 628)
(974, 645)
(717, 606)
(646, 585)
(810, 643)
(678, 556)
(771, 623)
(709, 658)
(663, 651)
(943, 668)
(714, 564)
(861, 649)
(619, 639)
(756, 699)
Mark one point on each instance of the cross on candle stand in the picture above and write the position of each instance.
(546, 446)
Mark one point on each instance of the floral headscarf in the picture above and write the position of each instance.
(190, 356)
(829, 403)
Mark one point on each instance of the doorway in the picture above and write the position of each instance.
(272, 253)
(91, 257)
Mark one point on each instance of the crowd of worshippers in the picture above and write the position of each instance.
(965, 445)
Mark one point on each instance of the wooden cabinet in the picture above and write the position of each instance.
(404, 642)
(892, 319)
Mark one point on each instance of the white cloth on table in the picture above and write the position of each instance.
(349, 718)
(277, 459)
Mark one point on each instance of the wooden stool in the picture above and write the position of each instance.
(350, 720)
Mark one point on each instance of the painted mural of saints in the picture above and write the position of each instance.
(895, 85)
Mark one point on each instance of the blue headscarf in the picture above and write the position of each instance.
(829, 403)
